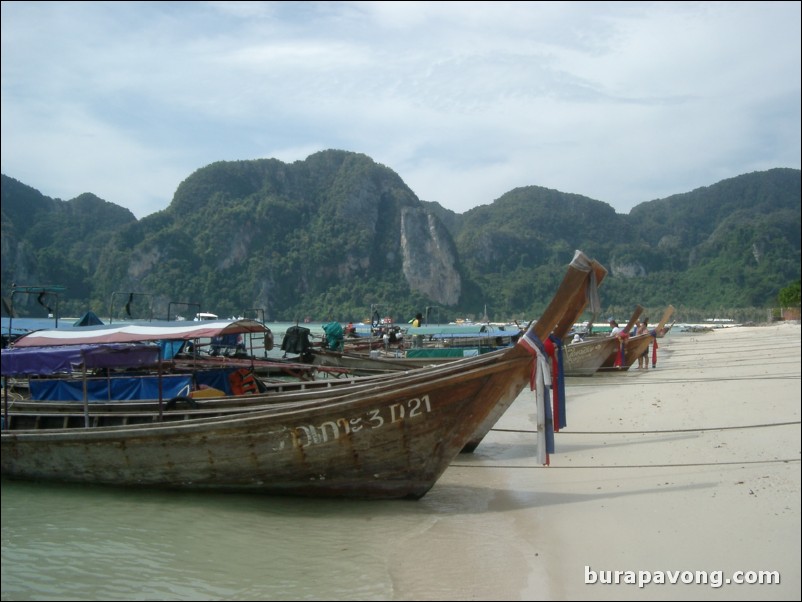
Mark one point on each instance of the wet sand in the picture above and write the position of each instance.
(693, 466)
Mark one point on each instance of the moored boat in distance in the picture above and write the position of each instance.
(631, 347)
(203, 315)
(584, 358)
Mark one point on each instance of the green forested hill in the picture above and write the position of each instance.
(337, 233)
(318, 237)
(729, 244)
(47, 241)
(520, 244)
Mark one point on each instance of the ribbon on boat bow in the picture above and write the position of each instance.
(554, 347)
(654, 349)
(620, 356)
(539, 379)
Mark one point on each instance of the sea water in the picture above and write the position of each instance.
(468, 538)
(72, 542)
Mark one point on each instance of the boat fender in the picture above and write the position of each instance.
(171, 405)
(269, 340)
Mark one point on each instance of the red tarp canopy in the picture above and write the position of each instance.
(137, 333)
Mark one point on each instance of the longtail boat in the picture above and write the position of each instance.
(585, 358)
(391, 440)
(27, 414)
(631, 347)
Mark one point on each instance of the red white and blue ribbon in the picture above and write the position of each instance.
(554, 347)
(620, 357)
(654, 349)
(538, 381)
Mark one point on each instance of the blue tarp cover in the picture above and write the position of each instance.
(127, 388)
(117, 388)
(217, 379)
(44, 361)
(170, 348)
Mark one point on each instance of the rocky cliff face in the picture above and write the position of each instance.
(277, 236)
(429, 259)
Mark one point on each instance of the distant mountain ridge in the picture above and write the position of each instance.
(337, 234)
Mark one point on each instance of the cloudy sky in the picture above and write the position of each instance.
(623, 102)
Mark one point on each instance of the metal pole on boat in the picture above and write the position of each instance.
(6, 384)
(161, 396)
(86, 395)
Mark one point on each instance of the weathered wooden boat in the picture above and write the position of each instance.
(482, 335)
(209, 343)
(391, 442)
(418, 346)
(268, 394)
(361, 364)
(584, 358)
(665, 330)
(634, 346)
(61, 379)
(452, 338)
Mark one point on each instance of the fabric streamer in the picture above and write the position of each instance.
(540, 379)
(654, 349)
(620, 358)
(554, 348)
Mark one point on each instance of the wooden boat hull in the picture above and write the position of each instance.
(363, 365)
(26, 416)
(585, 358)
(393, 444)
(635, 346)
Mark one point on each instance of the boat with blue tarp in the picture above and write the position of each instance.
(393, 439)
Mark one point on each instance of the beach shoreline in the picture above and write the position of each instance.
(687, 471)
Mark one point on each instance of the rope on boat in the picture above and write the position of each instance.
(696, 430)
(631, 466)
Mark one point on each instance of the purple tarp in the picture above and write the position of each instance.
(43, 361)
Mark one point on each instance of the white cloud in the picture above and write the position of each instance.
(622, 102)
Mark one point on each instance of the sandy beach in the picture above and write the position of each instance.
(688, 472)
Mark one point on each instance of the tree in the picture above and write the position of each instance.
(790, 295)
